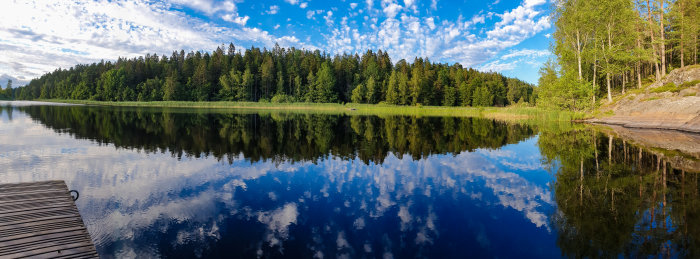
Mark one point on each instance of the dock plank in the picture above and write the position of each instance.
(40, 220)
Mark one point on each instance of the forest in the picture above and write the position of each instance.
(7, 93)
(604, 47)
(279, 75)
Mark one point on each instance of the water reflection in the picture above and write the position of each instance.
(616, 198)
(175, 183)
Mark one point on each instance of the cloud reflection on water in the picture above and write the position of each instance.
(128, 195)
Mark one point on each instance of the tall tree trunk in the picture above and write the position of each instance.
(653, 45)
(695, 50)
(639, 61)
(578, 53)
(607, 73)
(595, 67)
(682, 29)
(607, 77)
(663, 39)
(624, 81)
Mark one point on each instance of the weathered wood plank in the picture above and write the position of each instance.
(41, 220)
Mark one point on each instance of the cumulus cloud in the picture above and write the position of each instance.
(390, 8)
(273, 9)
(32, 43)
(405, 35)
(514, 59)
(91, 31)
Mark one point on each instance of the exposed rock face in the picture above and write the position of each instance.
(666, 110)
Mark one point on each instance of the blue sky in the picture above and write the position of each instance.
(508, 36)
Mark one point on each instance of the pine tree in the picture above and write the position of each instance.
(392, 94)
(359, 93)
(324, 92)
(371, 90)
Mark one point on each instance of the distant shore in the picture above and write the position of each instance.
(503, 113)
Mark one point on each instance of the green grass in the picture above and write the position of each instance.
(651, 98)
(670, 87)
(512, 113)
(690, 83)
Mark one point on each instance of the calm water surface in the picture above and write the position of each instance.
(207, 183)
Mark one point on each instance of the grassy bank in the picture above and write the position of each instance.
(503, 113)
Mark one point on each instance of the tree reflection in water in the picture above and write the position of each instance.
(616, 198)
(613, 197)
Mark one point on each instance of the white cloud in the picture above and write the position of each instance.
(405, 35)
(303, 5)
(370, 4)
(497, 66)
(236, 19)
(40, 36)
(273, 9)
(329, 18)
(207, 6)
(390, 8)
(32, 45)
(531, 53)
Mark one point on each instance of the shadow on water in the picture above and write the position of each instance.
(309, 185)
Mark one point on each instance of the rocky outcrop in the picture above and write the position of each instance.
(679, 110)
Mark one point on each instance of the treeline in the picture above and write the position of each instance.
(7, 93)
(279, 75)
(606, 46)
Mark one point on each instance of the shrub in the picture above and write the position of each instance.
(282, 98)
(670, 87)
(690, 83)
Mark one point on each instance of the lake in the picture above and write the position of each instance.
(183, 183)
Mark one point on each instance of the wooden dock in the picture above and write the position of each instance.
(40, 219)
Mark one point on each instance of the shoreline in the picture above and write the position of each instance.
(509, 113)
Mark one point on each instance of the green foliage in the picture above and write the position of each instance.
(358, 94)
(282, 98)
(689, 83)
(372, 90)
(111, 87)
(150, 90)
(450, 96)
(482, 97)
(392, 93)
(255, 74)
(323, 91)
(566, 92)
(8, 93)
(669, 87)
(171, 89)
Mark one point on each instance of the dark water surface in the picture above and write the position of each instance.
(211, 183)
